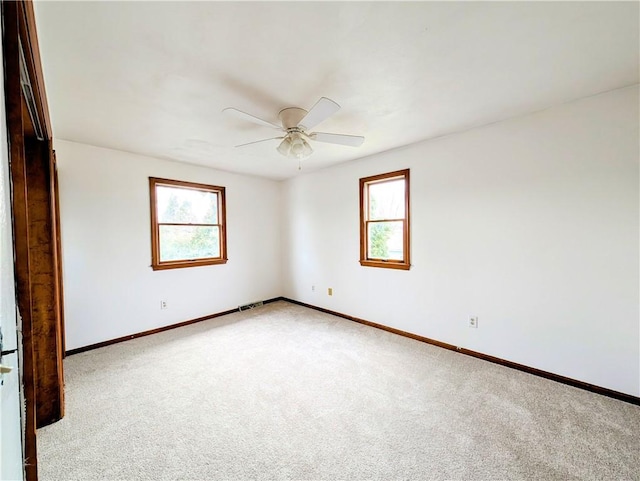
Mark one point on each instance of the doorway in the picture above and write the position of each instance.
(35, 224)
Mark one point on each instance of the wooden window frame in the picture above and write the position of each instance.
(365, 182)
(156, 263)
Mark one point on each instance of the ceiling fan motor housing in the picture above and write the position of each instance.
(290, 117)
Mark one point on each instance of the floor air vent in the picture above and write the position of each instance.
(250, 306)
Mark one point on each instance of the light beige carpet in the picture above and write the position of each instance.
(285, 392)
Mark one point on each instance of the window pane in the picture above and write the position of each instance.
(187, 206)
(386, 200)
(179, 242)
(385, 240)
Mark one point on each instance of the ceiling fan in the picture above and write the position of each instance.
(296, 123)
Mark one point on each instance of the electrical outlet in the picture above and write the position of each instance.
(163, 304)
(313, 288)
(330, 291)
(473, 322)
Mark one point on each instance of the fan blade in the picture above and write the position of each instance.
(341, 139)
(322, 110)
(239, 114)
(258, 141)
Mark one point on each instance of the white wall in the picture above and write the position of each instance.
(110, 290)
(531, 224)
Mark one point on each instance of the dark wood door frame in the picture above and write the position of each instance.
(35, 225)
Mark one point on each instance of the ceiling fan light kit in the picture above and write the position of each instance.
(295, 121)
(295, 145)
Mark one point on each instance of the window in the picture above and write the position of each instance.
(384, 220)
(187, 224)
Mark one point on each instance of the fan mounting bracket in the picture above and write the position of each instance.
(290, 117)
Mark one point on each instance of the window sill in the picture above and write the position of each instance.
(386, 264)
(181, 264)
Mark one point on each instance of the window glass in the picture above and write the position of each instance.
(385, 240)
(184, 242)
(186, 206)
(386, 200)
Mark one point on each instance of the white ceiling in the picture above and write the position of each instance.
(153, 77)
